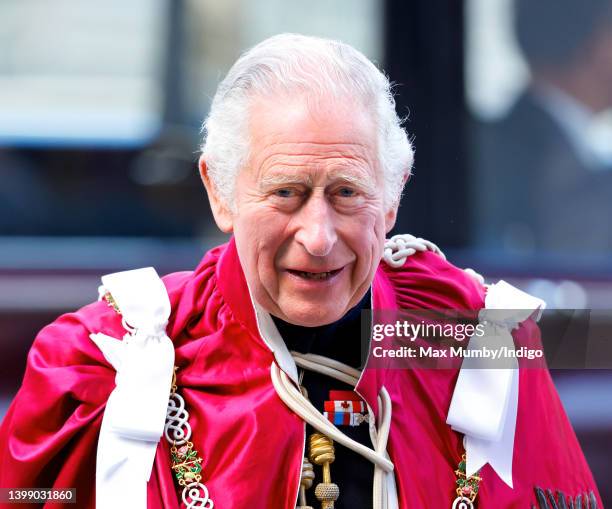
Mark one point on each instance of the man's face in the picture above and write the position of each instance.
(309, 221)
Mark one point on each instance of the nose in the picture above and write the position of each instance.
(316, 230)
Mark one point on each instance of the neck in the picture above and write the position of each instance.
(340, 340)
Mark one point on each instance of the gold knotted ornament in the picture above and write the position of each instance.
(306, 481)
(322, 453)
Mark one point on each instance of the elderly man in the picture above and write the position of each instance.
(304, 162)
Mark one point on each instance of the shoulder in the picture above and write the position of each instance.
(427, 279)
(66, 340)
(65, 364)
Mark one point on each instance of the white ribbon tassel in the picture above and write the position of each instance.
(135, 413)
(485, 400)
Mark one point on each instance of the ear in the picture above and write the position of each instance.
(221, 213)
(391, 214)
(390, 217)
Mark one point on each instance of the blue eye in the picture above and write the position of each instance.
(346, 192)
(284, 193)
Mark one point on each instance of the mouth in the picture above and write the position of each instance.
(314, 276)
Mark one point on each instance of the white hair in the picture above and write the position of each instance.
(314, 66)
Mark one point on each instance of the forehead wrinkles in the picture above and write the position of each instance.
(350, 176)
(309, 153)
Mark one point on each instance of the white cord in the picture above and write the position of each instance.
(399, 247)
(383, 496)
(327, 366)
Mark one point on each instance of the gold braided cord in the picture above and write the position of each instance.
(111, 302)
(322, 453)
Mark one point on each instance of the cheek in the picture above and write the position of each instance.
(264, 232)
(370, 222)
(256, 223)
(367, 236)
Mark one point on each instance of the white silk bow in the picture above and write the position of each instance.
(485, 400)
(135, 413)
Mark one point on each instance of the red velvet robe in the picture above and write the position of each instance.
(252, 444)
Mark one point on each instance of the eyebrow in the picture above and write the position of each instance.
(276, 179)
(363, 182)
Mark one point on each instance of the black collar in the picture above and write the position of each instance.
(340, 340)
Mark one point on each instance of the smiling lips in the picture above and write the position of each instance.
(314, 276)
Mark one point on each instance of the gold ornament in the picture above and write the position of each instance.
(322, 453)
(306, 481)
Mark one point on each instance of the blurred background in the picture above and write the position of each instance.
(509, 103)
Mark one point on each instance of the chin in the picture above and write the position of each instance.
(312, 315)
